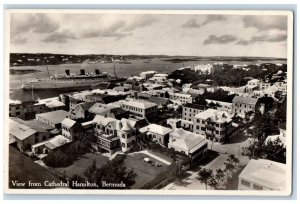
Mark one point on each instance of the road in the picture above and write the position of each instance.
(192, 183)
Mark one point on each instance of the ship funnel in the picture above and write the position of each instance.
(67, 72)
(97, 72)
(82, 72)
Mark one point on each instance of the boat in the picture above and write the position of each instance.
(69, 81)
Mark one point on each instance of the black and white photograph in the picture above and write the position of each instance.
(183, 102)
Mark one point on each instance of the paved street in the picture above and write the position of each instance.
(191, 181)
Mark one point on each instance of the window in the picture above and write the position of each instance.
(245, 183)
(257, 187)
(123, 136)
(123, 144)
(197, 127)
(198, 121)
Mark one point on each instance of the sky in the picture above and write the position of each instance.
(149, 34)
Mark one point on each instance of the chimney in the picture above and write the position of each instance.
(67, 71)
(82, 72)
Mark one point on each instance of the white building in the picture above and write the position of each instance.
(263, 174)
(157, 133)
(191, 144)
(140, 109)
(204, 68)
(183, 98)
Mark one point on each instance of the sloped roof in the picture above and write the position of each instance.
(125, 126)
(246, 100)
(186, 140)
(99, 119)
(159, 100)
(68, 122)
(158, 129)
(54, 103)
(86, 106)
(19, 130)
(54, 116)
(140, 104)
(266, 173)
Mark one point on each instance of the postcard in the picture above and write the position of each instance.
(148, 102)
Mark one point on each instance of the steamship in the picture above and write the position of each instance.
(69, 81)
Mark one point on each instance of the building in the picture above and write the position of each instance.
(113, 134)
(191, 144)
(26, 110)
(183, 98)
(140, 109)
(70, 129)
(28, 133)
(242, 105)
(157, 133)
(49, 145)
(220, 105)
(73, 102)
(52, 104)
(263, 174)
(160, 101)
(214, 124)
(281, 136)
(264, 85)
(81, 111)
(53, 118)
(252, 85)
(103, 98)
(189, 110)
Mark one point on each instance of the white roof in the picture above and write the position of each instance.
(68, 122)
(139, 104)
(54, 116)
(253, 81)
(265, 173)
(54, 103)
(215, 115)
(99, 119)
(158, 129)
(187, 140)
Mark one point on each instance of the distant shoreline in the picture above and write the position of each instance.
(22, 71)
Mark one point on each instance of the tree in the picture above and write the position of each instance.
(219, 175)
(114, 171)
(205, 175)
(272, 150)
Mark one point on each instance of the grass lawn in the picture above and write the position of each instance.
(145, 171)
(79, 166)
(23, 169)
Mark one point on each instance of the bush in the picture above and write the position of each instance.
(66, 154)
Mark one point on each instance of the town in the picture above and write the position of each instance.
(211, 126)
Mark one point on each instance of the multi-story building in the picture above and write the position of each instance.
(220, 105)
(242, 105)
(189, 110)
(26, 110)
(140, 109)
(113, 134)
(70, 129)
(264, 85)
(263, 174)
(183, 98)
(214, 124)
(191, 144)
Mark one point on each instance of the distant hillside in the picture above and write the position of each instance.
(33, 59)
(28, 59)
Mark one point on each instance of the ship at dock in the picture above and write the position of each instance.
(70, 81)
